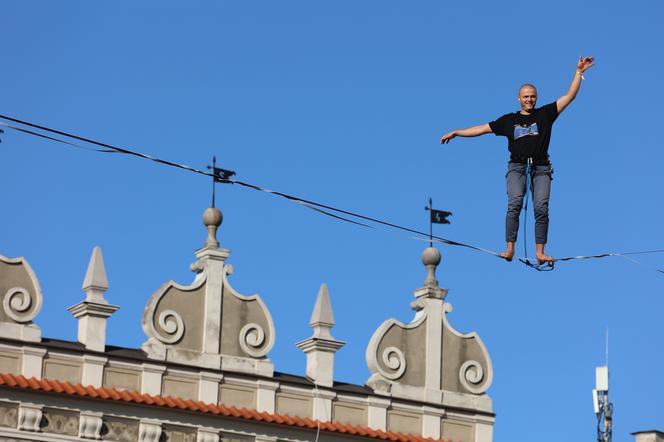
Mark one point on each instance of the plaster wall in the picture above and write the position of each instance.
(404, 422)
(294, 405)
(349, 413)
(179, 387)
(122, 379)
(457, 431)
(10, 363)
(62, 370)
(237, 396)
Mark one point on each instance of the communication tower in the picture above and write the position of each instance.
(601, 403)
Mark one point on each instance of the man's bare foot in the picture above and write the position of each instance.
(508, 254)
(541, 256)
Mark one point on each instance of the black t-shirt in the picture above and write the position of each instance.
(528, 135)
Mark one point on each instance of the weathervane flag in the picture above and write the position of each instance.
(437, 217)
(440, 216)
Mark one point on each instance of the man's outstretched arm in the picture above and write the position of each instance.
(583, 65)
(474, 131)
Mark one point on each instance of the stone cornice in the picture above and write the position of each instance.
(33, 412)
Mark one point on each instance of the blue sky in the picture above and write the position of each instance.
(343, 103)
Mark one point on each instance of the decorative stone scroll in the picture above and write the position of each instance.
(20, 300)
(427, 359)
(209, 324)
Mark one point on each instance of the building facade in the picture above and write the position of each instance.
(204, 373)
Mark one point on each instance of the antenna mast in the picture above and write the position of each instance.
(602, 404)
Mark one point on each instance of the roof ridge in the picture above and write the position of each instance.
(50, 386)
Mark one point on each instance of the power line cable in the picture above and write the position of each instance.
(307, 203)
(44, 136)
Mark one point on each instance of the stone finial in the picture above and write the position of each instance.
(320, 348)
(93, 312)
(431, 258)
(95, 283)
(322, 318)
(212, 218)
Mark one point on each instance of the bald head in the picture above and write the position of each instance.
(527, 86)
(527, 98)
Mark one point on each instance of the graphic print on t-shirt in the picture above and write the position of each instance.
(524, 130)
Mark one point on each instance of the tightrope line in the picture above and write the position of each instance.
(328, 210)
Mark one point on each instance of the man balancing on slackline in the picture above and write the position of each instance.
(528, 133)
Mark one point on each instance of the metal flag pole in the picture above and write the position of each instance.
(430, 223)
(435, 216)
(214, 180)
(219, 175)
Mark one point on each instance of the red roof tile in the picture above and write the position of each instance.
(103, 393)
(51, 385)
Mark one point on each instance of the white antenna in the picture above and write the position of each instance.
(602, 406)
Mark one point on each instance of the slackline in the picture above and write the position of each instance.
(331, 211)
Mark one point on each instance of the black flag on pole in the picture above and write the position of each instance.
(221, 175)
(437, 217)
(440, 216)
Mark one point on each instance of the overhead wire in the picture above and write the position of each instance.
(42, 136)
(325, 209)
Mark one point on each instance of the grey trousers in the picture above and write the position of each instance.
(541, 177)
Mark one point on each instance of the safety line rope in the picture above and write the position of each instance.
(540, 267)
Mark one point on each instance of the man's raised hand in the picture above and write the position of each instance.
(585, 63)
